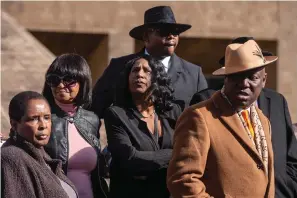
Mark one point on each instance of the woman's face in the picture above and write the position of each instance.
(35, 125)
(140, 77)
(64, 89)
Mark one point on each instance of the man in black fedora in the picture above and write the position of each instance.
(160, 35)
(275, 108)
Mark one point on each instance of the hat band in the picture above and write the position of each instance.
(243, 66)
(161, 20)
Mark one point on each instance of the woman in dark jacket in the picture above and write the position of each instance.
(75, 131)
(26, 170)
(139, 131)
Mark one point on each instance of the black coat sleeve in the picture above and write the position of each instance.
(292, 150)
(134, 161)
(102, 96)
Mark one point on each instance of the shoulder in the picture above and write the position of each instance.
(175, 112)
(89, 114)
(194, 115)
(276, 98)
(188, 65)
(117, 116)
(116, 65)
(123, 59)
(202, 95)
(205, 107)
(90, 117)
(117, 111)
(11, 154)
(272, 94)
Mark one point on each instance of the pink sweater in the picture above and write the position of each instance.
(82, 157)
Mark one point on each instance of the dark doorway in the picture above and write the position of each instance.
(93, 47)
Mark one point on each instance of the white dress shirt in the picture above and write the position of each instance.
(165, 61)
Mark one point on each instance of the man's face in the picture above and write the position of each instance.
(161, 41)
(243, 89)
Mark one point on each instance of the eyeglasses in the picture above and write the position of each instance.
(54, 80)
(163, 32)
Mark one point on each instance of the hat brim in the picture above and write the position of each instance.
(137, 32)
(222, 71)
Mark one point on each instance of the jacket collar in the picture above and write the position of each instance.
(230, 118)
(60, 113)
(132, 108)
(38, 154)
(175, 68)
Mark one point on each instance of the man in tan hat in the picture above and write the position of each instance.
(222, 146)
(160, 36)
(274, 106)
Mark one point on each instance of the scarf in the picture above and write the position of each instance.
(260, 139)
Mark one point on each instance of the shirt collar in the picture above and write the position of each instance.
(165, 61)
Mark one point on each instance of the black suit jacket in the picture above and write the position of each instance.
(187, 79)
(284, 142)
(139, 162)
(275, 108)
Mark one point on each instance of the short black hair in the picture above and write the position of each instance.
(162, 94)
(77, 67)
(18, 104)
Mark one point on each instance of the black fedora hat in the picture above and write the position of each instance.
(242, 40)
(160, 15)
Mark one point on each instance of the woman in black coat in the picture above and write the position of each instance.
(140, 129)
(26, 170)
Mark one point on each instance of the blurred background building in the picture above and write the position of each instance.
(33, 33)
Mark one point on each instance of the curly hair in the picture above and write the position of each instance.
(160, 89)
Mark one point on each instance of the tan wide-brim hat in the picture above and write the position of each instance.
(243, 57)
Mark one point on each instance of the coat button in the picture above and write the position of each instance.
(259, 166)
(70, 120)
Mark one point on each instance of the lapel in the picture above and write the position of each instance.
(233, 123)
(167, 129)
(175, 68)
(142, 124)
(264, 104)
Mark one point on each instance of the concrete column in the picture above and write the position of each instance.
(98, 59)
(287, 63)
(120, 44)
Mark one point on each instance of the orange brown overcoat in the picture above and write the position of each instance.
(213, 155)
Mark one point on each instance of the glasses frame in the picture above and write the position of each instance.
(68, 83)
(164, 32)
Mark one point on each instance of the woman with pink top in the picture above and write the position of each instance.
(75, 131)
